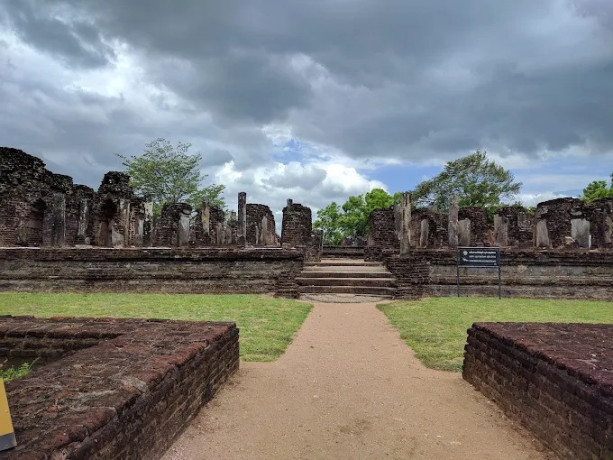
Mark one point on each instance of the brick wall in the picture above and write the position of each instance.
(412, 275)
(260, 226)
(297, 226)
(555, 379)
(129, 390)
(222, 270)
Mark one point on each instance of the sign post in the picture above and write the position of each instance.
(469, 257)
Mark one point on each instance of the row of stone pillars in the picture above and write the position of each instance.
(402, 217)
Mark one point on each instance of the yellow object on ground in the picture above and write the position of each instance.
(7, 435)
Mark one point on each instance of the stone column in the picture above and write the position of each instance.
(58, 216)
(241, 235)
(453, 222)
(206, 222)
(424, 233)
(404, 212)
(83, 222)
(148, 223)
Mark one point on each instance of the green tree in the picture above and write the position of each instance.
(597, 189)
(351, 219)
(169, 174)
(328, 221)
(474, 179)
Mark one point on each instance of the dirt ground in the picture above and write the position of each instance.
(349, 388)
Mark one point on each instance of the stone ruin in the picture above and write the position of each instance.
(41, 209)
(555, 224)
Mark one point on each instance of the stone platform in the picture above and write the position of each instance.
(555, 379)
(116, 388)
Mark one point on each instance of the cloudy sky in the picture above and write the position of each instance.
(314, 100)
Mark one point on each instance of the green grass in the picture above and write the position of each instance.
(267, 325)
(13, 373)
(435, 328)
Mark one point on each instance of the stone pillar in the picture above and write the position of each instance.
(57, 216)
(464, 233)
(541, 235)
(580, 232)
(241, 234)
(205, 217)
(501, 230)
(82, 237)
(122, 237)
(183, 227)
(453, 222)
(424, 233)
(148, 223)
(404, 212)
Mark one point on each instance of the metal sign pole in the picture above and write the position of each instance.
(499, 284)
(457, 274)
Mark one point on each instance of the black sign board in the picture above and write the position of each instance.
(479, 257)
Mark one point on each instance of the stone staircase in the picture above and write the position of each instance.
(334, 276)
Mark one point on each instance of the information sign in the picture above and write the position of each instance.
(478, 258)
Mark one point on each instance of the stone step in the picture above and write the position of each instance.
(368, 282)
(369, 290)
(345, 274)
(343, 263)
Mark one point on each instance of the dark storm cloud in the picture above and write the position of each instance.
(73, 40)
(408, 80)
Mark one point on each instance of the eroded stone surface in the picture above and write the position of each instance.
(122, 389)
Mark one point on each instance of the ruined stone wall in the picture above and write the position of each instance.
(473, 227)
(123, 388)
(37, 207)
(553, 222)
(412, 275)
(382, 238)
(569, 273)
(600, 215)
(429, 229)
(209, 228)
(297, 226)
(172, 228)
(260, 226)
(221, 270)
(552, 378)
(513, 227)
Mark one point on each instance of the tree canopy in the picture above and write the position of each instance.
(350, 219)
(169, 174)
(597, 189)
(474, 179)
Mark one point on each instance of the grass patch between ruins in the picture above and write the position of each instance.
(435, 328)
(267, 325)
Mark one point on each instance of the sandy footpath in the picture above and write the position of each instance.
(349, 388)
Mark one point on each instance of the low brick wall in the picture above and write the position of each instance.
(555, 379)
(213, 270)
(122, 389)
(530, 273)
(412, 275)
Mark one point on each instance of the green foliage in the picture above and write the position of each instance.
(328, 219)
(350, 219)
(13, 373)
(474, 179)
(169, 174)
(267, 325)
(435, 328)
(597, 189)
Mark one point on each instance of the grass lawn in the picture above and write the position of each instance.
(435, 328)
(267, 325)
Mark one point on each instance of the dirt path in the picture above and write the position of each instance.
(349, 388)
